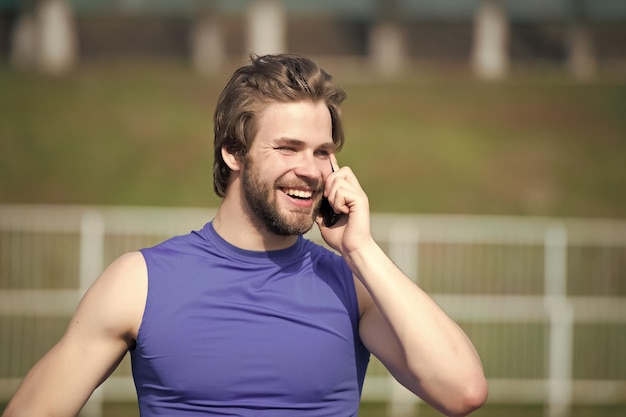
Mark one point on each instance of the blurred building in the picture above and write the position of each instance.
(389, 36)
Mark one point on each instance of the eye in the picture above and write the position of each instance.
(286, 150)
(322, 153)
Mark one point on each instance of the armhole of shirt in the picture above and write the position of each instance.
(147, 307)
(355, 314)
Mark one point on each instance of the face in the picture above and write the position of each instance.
(282, 177)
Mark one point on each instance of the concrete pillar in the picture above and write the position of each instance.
(57, 44)
(267, 27)
(490, 57)
(23, 42)
(207, 45)
(581, 60)
(386, 49)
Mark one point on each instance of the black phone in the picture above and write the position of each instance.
(328, 214)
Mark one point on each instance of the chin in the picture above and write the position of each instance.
(295, 226)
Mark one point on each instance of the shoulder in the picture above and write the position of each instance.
(126, 273)
(320, 252)
(116, 300)
(127, 265)
(327, 261)
(334, 261)
(195, 243)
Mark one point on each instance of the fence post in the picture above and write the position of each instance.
(561, 319)
(91, 264)
(403, 247)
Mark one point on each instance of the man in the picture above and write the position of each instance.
(245, 317)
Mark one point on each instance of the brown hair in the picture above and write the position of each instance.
(282, 78)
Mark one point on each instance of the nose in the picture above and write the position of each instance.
(311, 166)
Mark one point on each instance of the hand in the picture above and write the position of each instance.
(347, 198)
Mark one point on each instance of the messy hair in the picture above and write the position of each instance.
(269, 78)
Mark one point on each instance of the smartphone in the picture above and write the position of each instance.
(327, 212)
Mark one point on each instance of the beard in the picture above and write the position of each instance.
(265, 211)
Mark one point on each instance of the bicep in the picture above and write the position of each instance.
(374, 331)
(94, 343)
(62, 381)
(378, 337)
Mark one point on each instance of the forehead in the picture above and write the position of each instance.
(303, 120)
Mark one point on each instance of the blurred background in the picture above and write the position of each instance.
(490, 136)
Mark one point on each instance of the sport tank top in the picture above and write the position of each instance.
(232, 332)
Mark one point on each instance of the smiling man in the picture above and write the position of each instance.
(246, 317)
(281, 176)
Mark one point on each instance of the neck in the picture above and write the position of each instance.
(236, 227)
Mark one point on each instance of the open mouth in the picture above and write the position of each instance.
(298, 194)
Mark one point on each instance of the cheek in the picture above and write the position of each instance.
(325, 166)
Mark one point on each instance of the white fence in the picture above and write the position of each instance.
(544, 300)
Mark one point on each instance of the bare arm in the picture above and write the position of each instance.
(400, 324)
(104, 326)
(420, 345)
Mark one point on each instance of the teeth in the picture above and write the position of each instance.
(299, 193)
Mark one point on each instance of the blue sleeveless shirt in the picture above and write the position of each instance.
(232, 332)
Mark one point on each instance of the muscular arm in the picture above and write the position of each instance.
(97, 338)
(400, 324)
(420, 345)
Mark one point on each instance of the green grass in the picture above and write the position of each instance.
(116, 409)
(141, 134)
(381, 410)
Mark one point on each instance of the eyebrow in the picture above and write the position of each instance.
(299, 143)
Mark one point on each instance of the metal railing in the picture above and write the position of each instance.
(543, 299)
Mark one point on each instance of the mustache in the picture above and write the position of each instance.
(313, 185)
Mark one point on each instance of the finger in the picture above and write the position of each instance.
(319, 220)
(340, 196)
(346, 174)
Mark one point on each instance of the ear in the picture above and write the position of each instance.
(231, 160)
